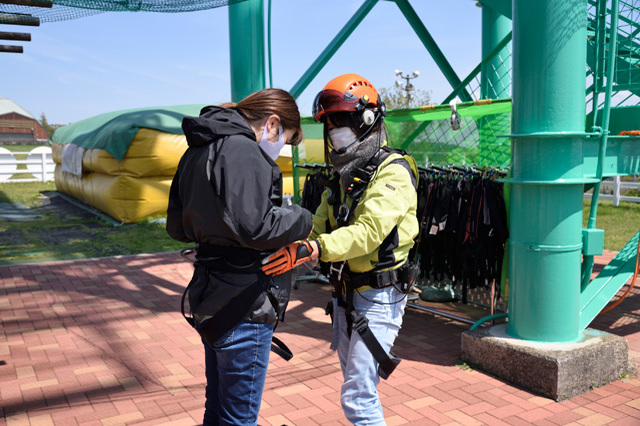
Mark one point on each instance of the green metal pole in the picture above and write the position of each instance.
(549, 57)
(501, 6)
(431, 45)
(331, 49)
(246, 48)
(495, 79)
(495, 72)
(587, 266)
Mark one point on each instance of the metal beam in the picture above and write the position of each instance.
(477, 69)
(12, 19)
(15, 36)
(428, 41)
(10, 49)
(331, 49)
(608, 282)
(34, 3)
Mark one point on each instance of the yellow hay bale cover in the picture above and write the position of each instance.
(138, 186)
(129, 190)
(127, 198)
(151, 153)
(68, 183)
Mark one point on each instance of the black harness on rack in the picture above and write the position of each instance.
(346, 282)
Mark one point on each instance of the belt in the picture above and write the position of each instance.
(373, 279)
(227, 258)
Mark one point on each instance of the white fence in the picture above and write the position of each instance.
(610, 189)
(39, 165)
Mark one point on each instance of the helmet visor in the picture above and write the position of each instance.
(330, 100)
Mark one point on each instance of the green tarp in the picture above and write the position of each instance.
(114, 131)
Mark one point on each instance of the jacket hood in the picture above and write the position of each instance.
(214, 123)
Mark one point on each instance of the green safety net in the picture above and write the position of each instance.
(427, 134)
(71, 9)
(114, 131)
(481, 139)
(476, 109)
(481, 125)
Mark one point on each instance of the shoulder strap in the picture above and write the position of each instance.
(403, 161)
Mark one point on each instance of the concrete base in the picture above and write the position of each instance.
(555, 370)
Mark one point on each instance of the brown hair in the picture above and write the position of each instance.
(263, 103)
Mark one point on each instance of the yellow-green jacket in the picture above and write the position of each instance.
(381, 230)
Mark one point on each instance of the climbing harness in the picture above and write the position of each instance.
(346, 282)
(212, 327)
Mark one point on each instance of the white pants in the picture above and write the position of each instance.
(384, 309)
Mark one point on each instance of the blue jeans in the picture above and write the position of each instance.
(236, 369)
(384, 309)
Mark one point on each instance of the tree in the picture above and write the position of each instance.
(395, 97)
(50, 128)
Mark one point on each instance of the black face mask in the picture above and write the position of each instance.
(356, 156)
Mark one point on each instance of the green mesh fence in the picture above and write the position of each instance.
(71, 9)
(426, 133)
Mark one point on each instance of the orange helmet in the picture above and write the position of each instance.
(347, 93)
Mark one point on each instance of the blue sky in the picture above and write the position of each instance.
(80, 68)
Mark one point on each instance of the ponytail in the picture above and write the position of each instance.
(264, 103)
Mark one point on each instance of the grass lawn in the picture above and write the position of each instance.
(70, 232)
(619, 223)
(59, 235)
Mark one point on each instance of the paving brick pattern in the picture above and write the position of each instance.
(102, 342)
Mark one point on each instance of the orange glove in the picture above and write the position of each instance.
(287, 258)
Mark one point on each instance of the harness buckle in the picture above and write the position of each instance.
(358, 322)
(343, 213)
(338, 271)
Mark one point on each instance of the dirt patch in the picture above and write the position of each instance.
(54, 203)
(12, 236)
(56, 223)
(65, 235)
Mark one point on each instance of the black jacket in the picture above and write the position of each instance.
(228, 193)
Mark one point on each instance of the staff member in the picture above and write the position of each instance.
(364, 228)
(227, 198)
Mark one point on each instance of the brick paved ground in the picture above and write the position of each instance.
(102, 342)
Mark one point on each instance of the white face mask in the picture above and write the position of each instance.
(272, 149)
(342, 138)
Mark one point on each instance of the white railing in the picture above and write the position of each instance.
(610, 190)
(39, 165)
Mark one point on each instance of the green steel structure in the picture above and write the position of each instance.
(528, 106)
(542, 137)
(246, 44)
(549, 56)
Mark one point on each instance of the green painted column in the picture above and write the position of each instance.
(495, 73)
(246, 48)
(549, 57)
(495, 83)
